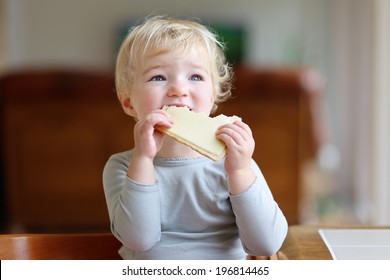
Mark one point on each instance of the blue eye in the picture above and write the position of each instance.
(158, 78)
(196, 78)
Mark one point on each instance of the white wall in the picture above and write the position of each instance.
(2, 36)
(83, 32)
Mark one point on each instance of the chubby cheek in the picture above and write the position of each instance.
(207, 106)
(146, 108)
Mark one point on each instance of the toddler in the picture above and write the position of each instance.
(165, 200)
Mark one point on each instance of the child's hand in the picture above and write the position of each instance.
(239, 143)
(240, 146)
(148, 140)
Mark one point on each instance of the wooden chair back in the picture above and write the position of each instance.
(97, 246)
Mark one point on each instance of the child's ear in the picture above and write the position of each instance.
(128, 106)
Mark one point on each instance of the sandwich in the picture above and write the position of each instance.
(198, 131)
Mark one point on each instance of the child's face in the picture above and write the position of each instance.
(172, 78)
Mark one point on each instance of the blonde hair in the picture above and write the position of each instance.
(163, 33)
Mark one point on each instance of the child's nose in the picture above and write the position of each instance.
(177, 89)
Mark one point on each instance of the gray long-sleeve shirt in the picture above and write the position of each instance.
(189, 214)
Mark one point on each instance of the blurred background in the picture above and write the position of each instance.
(339, 48)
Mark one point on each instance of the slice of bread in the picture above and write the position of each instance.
(198, 131)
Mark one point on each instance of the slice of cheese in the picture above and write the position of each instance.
(198, 131)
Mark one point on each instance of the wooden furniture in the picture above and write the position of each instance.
(282, 107)
(59, 128)
(101, 246)
(305, 243)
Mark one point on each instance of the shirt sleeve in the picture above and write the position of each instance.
(134, 209)
(262, 225)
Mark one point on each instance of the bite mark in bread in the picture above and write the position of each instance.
(198, 131)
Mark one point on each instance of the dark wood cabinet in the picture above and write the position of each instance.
(58, 130)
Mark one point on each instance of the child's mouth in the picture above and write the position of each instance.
(179, 105)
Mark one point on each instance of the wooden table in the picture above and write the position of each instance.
(305, 243)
